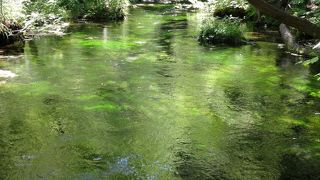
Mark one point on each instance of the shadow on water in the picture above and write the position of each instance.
(167, 33)
(298, 167)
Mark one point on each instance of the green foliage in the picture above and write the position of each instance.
(4, 31)
(135, 1)
(217, 31)
(96, 9)
(220, 6)
(318, 76)
(231, 3)
(43, 13)
(43, 7)
(9, 20)
(11, 9)
(302, 9)
(311, 61)
(116, 9)
(93, 9)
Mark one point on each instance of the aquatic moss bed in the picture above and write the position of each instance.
(156, 7)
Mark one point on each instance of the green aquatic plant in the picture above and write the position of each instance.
(108, 45)
(311, 61)
(105, 106)
(221, 31)
(156, 7)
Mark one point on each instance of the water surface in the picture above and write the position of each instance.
(143, 100)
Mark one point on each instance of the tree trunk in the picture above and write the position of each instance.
(299, 23)
(288, 38)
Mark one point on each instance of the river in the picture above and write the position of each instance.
(141, 99)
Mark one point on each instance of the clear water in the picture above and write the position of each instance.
(142, 100)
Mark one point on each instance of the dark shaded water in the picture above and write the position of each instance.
(142, 100)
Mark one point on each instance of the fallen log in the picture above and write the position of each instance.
(302, 25)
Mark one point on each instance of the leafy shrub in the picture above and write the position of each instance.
(11, 9)
(7, 29)
(301, 9)
(63, 9)
(43, 12)
(221, 31)
(44, 17)
(44, 7)
(96, 9)
(10, 21)
(4, 31)
(230, 3)
(227, 7)
(116, 9)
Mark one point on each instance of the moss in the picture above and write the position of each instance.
(106, 106)
(221, 31)
(108, 45)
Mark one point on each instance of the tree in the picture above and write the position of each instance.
(293, 21)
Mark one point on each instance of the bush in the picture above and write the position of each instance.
(4, 32)
(96, 9)
(221, 31)
(12, 9)
(118, 9)
(7, 28)
(227, 7)
(44, 7)
(44, 17)
(63, 9)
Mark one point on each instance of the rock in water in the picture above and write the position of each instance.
(7, 74)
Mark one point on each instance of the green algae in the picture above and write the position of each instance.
(108, 106)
